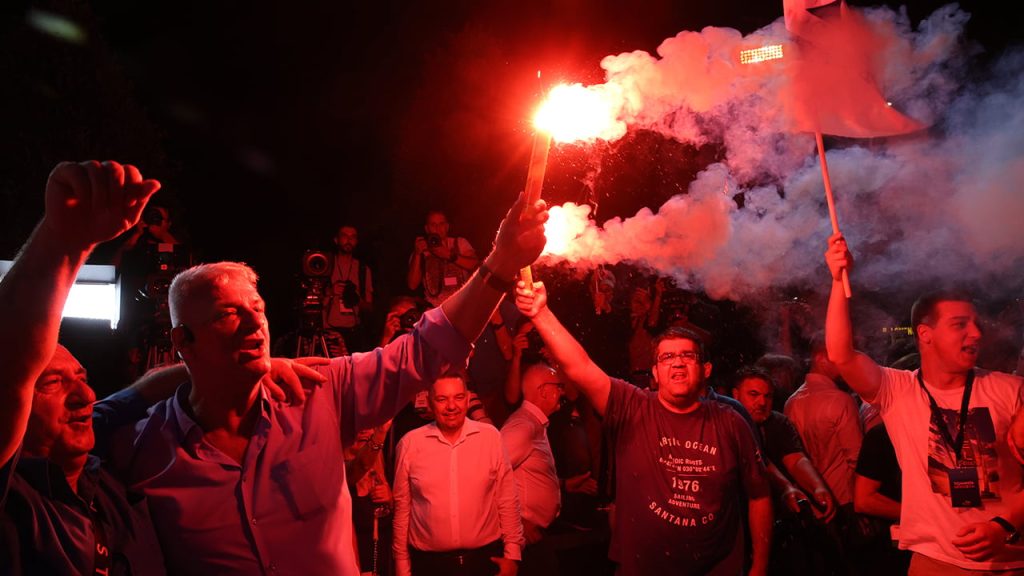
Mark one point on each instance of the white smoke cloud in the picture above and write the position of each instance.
(922, 210)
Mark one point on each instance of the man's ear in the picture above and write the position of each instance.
(707, 370)
(181, 338)
(924, 333)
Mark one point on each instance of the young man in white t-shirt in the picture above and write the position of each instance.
(949, 423)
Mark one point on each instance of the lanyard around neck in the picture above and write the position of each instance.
(955, 444)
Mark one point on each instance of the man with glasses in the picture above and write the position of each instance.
(526, 440)
(684, 462)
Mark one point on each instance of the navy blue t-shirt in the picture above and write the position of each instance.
(47, 528)
(681, 484)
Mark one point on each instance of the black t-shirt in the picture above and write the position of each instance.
(680, 484)
(877, 461)
(780, 438)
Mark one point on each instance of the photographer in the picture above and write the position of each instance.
(402, 316)
(146, 261)
(441, 264)
(153, 228)
(349, 296)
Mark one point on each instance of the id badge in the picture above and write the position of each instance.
(963, 487)
(451, 281)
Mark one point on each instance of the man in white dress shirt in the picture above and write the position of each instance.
(456, 510)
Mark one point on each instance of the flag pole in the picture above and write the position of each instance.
(831, 203)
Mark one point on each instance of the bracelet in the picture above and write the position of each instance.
(492, 280)
(373, 445)
(1012, 534)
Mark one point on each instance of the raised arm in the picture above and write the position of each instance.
(513, 377)
(86, 203)
(857, 369)
(415, 274)
(570, 356)
(519, 241)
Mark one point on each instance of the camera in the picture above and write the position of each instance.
(409, 318)
(315, 264)
(315, 269)
(152, 216)
(433, 240)
(349, 295)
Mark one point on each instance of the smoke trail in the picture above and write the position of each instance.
(924, 210)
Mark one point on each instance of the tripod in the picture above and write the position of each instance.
(310, 340)
(157, 342)
(159, 353)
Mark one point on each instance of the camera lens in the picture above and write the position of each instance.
(349, 295)
(152, 216)
(433, 240)
(314, 263)
(409, 318)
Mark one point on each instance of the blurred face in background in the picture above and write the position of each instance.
(757, 396)
(347, 239)
(437, 223)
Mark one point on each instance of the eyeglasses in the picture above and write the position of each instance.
(686, 357)
(558, 385)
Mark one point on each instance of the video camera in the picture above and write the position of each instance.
(433, 240)
(315, 271)
(165, 261)
(315, 264)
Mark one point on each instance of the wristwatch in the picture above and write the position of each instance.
(1012, 534)
(373, 445)
(492, 280)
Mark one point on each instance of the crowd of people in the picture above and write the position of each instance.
(472, 433)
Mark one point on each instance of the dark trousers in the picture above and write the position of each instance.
(475, 562)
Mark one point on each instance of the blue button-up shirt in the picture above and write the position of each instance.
(286, 508)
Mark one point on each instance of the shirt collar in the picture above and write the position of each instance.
(49, 479)
(820, 382)
(191, 432)
(469, 428)
(536, 412)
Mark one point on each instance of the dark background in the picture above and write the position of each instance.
(269, 123)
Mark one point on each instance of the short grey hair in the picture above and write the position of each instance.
(197, 278)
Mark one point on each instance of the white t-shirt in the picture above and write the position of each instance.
(929, 522)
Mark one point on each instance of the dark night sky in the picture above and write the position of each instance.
(271, 122)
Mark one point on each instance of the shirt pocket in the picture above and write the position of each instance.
(310, 481)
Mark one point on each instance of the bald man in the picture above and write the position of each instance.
(526, 439)
(61, 512)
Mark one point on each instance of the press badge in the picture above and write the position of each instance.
(451, 281)
(963, 487)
